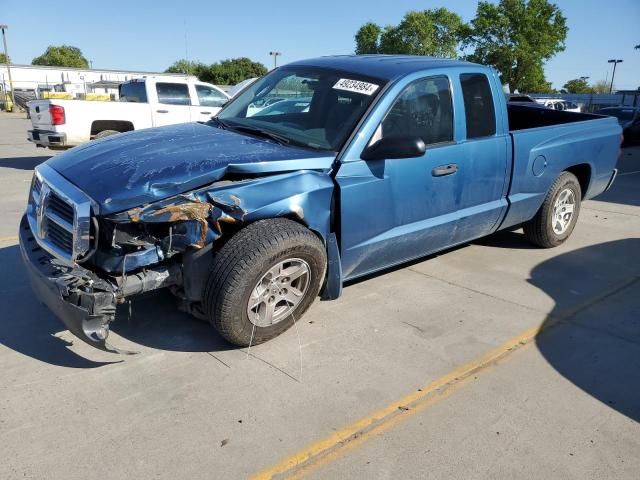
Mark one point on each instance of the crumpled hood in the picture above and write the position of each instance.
(140, 167)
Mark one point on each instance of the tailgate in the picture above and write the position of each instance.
(39, 113)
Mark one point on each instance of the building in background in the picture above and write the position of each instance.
(32, 81)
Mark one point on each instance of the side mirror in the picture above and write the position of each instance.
(395, 147)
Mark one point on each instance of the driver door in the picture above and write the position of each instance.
(394, 210)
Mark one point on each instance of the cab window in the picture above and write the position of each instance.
(133, 92)
(210, 97)
(424, 110)
(173, 93)
(478, 105)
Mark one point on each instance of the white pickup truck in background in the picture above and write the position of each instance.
(144, 103)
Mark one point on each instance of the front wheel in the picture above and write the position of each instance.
(558, 215)
(263, 280)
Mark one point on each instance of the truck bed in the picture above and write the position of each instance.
(523, 117)
(545, 142)
(80, 115)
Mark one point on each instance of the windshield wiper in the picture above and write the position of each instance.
(219, 123)
(282, 140)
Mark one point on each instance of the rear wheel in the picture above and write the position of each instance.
(558, 215)
(263, 279)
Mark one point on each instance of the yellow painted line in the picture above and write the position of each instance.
(349, 437)
(12, 238)
(315, 464)
(392, 413)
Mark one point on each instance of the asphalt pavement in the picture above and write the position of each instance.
(493, 360)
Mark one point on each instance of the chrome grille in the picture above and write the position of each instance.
(60, 237)
(59, 207)
(37, 185)
(59, 215)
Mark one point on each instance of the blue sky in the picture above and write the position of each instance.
(150, 35)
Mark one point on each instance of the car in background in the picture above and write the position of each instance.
(559, 104)
(520, 98)
(271, 101)
(152, 101)
(572, 107)
(526, 104)
(255, 107)
(233, 91)
(629, 120)
(292, 105)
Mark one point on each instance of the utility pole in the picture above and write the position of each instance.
(275, 54)
(615, 63)
(6, 54)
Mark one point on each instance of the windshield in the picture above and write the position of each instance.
(310, 107)
(623, 115)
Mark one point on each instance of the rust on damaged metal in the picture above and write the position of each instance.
(207, 215)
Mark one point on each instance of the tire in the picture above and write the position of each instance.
(243, 268)
(105, 133)
(545, 229)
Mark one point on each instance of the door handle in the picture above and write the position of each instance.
(162, 111)
(206, 113)
(443, 170)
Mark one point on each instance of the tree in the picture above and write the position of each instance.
(62, 56)
(517, 37)
(227, 72)
(235, 70)
(577, 85)
(433, 32)
(601, 86)
(533, 80)
(368, 39)
(187, 67)
(3, 58)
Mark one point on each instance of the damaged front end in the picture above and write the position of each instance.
(173, 225)
(137, 251)
(166, 243)
(84, 301)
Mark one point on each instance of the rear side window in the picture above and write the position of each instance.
(133, 92)
(173, 93)
(424, 110)
(478, 105)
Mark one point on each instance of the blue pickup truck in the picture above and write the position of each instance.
(249, 217)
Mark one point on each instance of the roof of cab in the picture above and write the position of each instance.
(386, 67)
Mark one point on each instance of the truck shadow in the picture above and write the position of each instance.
(29, 328)
(506, 239)
(22, 163)
(596, 347)
(26, 326)
(154, 321)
